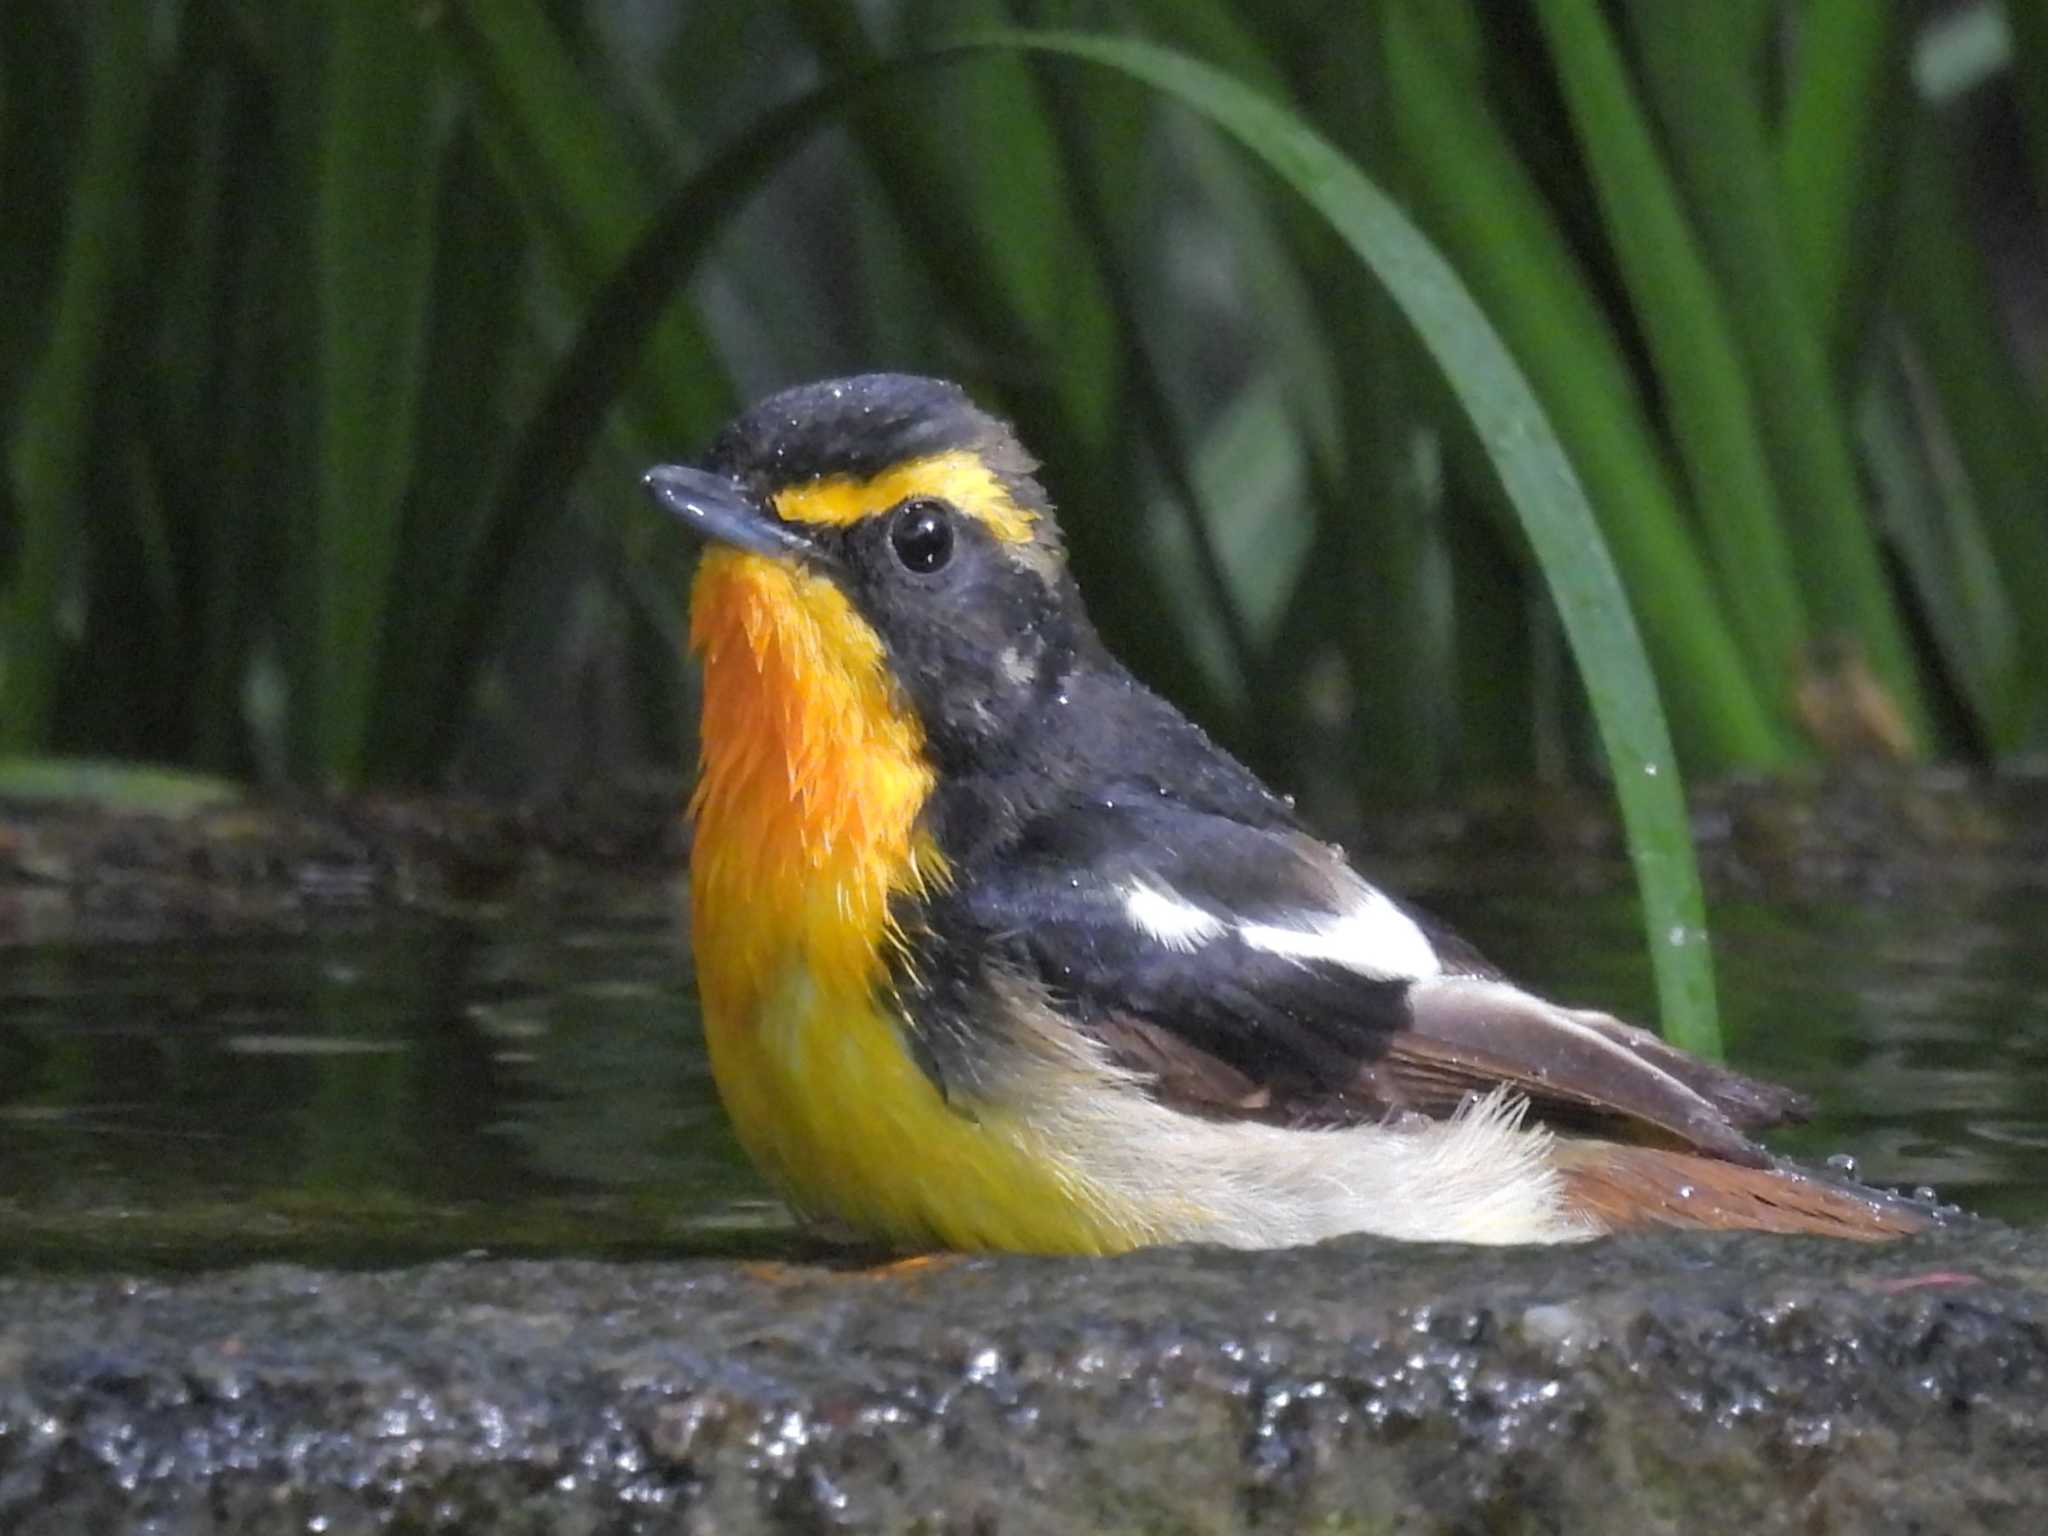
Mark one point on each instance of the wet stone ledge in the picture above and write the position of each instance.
(1686, 1384)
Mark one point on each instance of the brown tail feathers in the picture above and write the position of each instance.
(1629, 1187)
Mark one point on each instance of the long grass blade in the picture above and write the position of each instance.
(1495, 727)
(478, 285)
(374, 250)
(1091, 167)
(1478, 200)
(1377, 493)
(1943, 291)
(254, 469)
(42, 45)
(48, 448)
(557, 436)
(582, 189)
(1713, 121)
(1699, 368)
(1938, 526)
(1838, 152)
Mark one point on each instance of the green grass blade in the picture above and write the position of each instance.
(1249, 471)
(621, 255)
(1396, 624)
(374, 236)
(1477, 200)
(1308, 304)
(1095, 171)
(1714, 124)
(1938, 526)
(1495, 726)
(52, 431)
(1284, 293)
(1388, 600)
(1943, 291)
(193, 163)
(1248, 492)
(258, 460)
(1712, 412)
(1213, 32)
(1752, 23)
(1837, 151)
(582, 189)
(1000, 247)
(41, 108)
(479, 286)
(1532, 465)
(556, 438)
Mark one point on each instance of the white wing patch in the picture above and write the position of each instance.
(1158, 913)
(1370, 935)
(1373, 937)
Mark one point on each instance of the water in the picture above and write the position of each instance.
(533, 1081)
(374, 1093)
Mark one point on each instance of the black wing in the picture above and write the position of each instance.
(1250, 972)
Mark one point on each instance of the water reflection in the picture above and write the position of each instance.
(526, 1083)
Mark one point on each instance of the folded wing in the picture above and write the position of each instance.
(1250, 972)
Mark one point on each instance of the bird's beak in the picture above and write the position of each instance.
(714, 507)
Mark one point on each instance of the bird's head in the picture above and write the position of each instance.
(887, 534)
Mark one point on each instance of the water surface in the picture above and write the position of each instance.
(532, 1080)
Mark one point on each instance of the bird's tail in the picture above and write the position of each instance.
(1619, 1188)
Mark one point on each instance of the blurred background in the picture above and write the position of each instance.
(336, 334)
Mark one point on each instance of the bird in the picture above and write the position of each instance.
(996, 950)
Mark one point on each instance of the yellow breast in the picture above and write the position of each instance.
(806, 827)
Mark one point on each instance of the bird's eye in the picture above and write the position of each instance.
(922, 535)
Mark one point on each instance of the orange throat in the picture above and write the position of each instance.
(806, 810)
(807, 826)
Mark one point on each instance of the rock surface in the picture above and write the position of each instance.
(1671, 1384)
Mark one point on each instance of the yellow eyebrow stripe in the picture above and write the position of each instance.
(958, 476)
